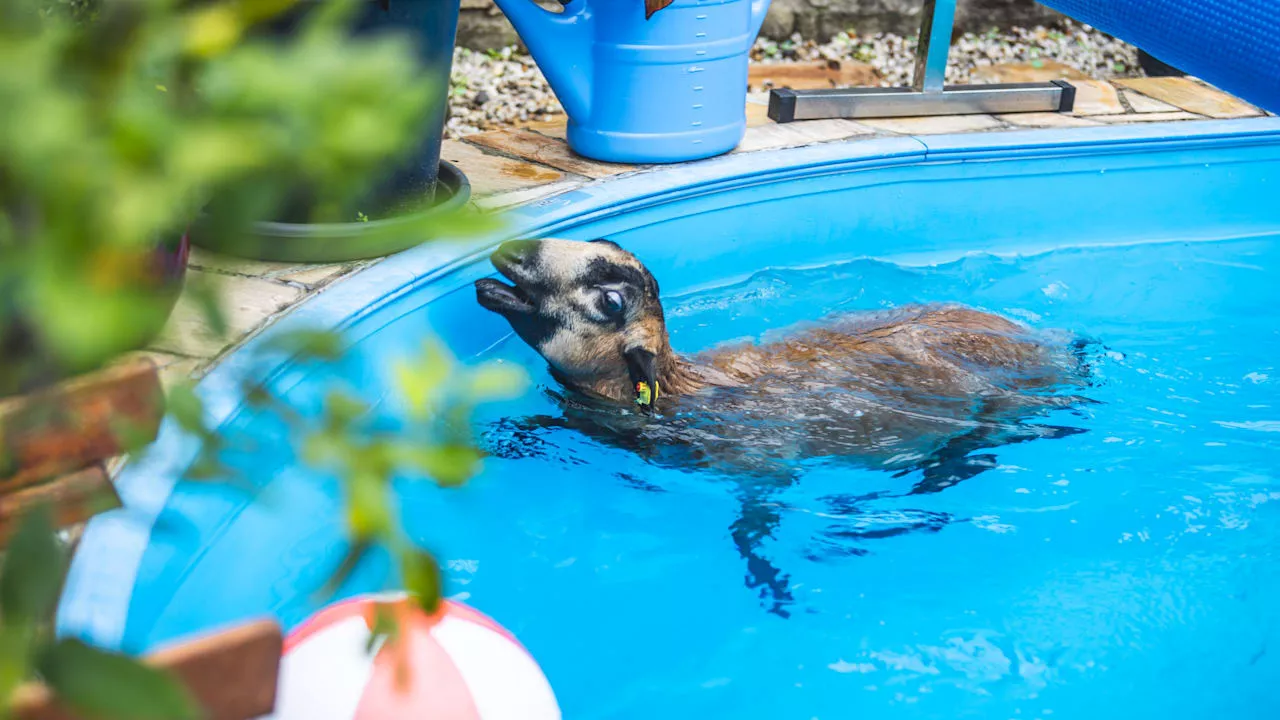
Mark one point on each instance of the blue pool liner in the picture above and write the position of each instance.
(1233, 44)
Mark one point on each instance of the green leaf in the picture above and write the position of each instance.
(448, 464)
(369, 508)
(421, 380)
(319, 449)
(15, 653)
(187, 409)
(343, 409)
(132, 435)
(205, 468)
(311, 344)
(110, 686)
(204, 292)
(349, 563)
(422, 577)
(33, 568)
(497, 381)
(385, 626)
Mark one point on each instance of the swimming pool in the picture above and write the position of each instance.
(1126, 569)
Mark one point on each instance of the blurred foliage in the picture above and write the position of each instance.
(119, 130)
(434, 441)
(92, 682)
(123, 121)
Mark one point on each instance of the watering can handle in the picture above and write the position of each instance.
(561, 45)
(759, 8)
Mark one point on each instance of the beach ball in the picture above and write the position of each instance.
(454, 665)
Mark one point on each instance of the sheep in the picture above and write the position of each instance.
(909, 389)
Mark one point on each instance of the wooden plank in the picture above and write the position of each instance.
(539, 148)
(81, 421)
(232, 675)
(1044, 71)
(74, 498)
(1191, 96)
(812, 75)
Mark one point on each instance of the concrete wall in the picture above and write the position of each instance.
(483, 26)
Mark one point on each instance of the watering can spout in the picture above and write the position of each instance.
(561, 45)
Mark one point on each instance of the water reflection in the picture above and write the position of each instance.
(761, 439)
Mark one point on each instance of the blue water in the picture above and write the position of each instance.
(1124, 571)
(1127, 571)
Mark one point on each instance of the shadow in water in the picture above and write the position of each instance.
(759, 437)
(760, 477)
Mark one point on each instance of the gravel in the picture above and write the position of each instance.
(1097, 55)
(494, 89)
(501, 88)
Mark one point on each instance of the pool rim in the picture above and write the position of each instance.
(96, 596)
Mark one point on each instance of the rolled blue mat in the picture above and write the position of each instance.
(1233, 44)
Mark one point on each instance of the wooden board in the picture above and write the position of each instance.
(812, 75)
(79, 422)
(75, 498)
(231, 674)
(1037, 72)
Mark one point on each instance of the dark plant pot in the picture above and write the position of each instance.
(340, 242)
(164, 276)
(170, 267)
(433, 25)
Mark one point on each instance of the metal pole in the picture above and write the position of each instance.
(928, 94)
(936, 22)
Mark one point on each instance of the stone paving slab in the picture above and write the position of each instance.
(546, 150)
(771, 136)
(1046, 120)
(527, 195)
(247, 303)
(1095, 97)
(938, 125)
(1148, 117)
(308, 277)
(1140, 103)
(491, 173)
(757, 114)
(171, 368)
(1192, 96)
(550, 128)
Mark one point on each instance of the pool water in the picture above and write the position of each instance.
(1127, 569)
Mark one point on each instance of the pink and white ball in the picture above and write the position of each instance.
(460, 665)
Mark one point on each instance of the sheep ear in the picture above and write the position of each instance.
(606, 241)
(642, 366)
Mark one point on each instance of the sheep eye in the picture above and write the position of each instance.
(613, 301)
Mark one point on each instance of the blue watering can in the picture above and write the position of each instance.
(665, 89)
